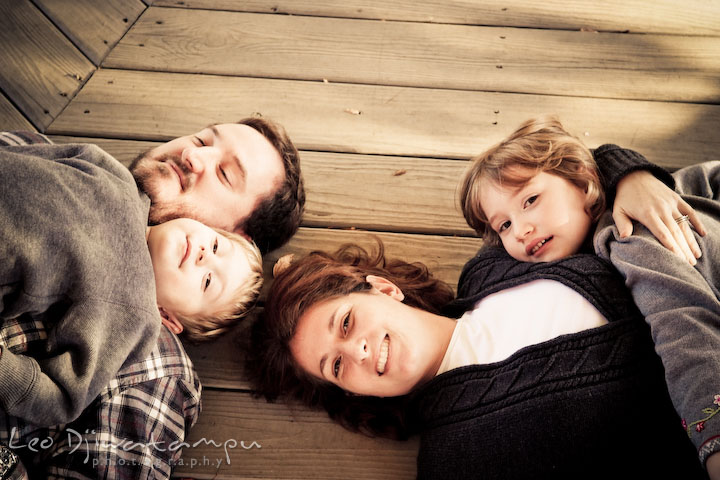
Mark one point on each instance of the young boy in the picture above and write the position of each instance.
(205, 278)
(81, 266)
(538, 194)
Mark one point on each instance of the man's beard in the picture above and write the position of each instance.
(147, 172)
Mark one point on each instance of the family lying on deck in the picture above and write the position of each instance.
(542, 367)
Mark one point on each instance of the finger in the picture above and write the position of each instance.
(665, 236)
(623, 224)
(685, 209)
(677, 232)
(691, 240)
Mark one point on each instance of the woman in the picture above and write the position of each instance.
(339, 336)
(364, 338)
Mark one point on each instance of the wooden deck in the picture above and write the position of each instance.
(386, 100)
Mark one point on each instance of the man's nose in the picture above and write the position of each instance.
(197, 159)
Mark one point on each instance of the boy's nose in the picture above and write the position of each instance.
(201, 257)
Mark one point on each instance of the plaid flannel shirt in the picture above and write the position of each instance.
(135, 427)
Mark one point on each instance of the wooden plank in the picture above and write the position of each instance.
(41, 69)
(378, 120)
(95, 27)
(693, 17)
(11, 118)
(609, 65)
(293, 443)
(402, 194)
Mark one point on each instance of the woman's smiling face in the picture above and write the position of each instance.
(371, 343)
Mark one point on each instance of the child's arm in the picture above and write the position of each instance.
(634, 192)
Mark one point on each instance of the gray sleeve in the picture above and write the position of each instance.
(86, 350)
(680, 303)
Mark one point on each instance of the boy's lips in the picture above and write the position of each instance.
(188, 249)
(536, 245)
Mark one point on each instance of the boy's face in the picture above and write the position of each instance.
(217, 175)
(197, 270)
(543, 220)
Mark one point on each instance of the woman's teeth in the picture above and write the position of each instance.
(383, 356)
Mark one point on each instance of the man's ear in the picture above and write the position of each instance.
(383, 285)
(170, 321)
(238, 230)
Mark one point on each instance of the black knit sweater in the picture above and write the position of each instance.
(587, 405)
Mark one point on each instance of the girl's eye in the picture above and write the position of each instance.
(199, 141)
(215, 246)
(504, 226)
(336, 367)
(530, 200)
(222, 172)
(208, 279)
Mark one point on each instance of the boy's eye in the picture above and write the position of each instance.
(199, 141)
(224, 175)
(336, 367)
(208, 279)
(215, 246)
(530, 200)
(504, 226)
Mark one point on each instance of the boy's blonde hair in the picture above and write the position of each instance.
(538, 145)
(199, 328)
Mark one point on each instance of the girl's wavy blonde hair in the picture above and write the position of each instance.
(201, 328)
(539, 145)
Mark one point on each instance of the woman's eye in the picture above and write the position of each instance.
(504, 226)
(346, 323)
(531, 200)
(208, 279)
(336, 367)
(215, 246)
(199, 141)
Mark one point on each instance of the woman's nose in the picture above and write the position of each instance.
(358, 349)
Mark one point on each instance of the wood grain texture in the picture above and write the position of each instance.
(376, 119)
(11, 118)
(609, 65)
(42, 70)
(93, 26)
(293, 443)
(693, 17)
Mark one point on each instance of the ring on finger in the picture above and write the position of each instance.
(682, 219)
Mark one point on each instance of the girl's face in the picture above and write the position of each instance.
(371, 343)
(543, 220)
(197, 270)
